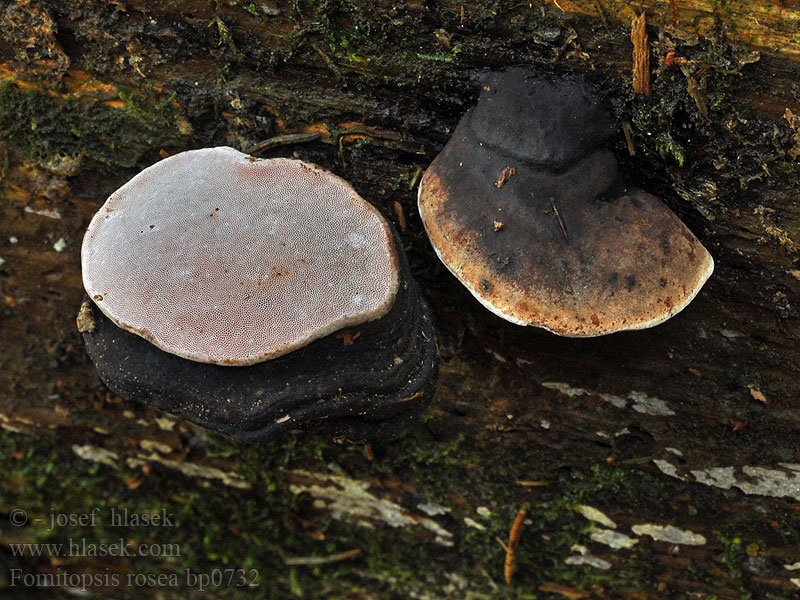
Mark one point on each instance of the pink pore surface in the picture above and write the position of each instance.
(223, 258)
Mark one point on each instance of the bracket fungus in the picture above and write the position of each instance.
(252, 296)
(525, 206)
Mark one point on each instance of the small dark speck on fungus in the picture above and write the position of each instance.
(591, 256)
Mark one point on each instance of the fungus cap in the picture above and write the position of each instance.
(219, 257)
(527, 209)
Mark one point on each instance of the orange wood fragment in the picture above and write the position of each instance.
(641, 56)
(513, 544)
(401, 217)
(564, 591)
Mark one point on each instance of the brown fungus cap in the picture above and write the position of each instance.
(218, 257)
(526, 208)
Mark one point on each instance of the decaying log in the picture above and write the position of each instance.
(663, 463)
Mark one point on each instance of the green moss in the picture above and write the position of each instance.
(730, 558)
(368, 36)
(668, 146)
(699, 115)
(40, 126)
(217, 527)
(253, 10)
(221, 528)
(446, 58)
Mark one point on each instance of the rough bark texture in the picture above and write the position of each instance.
(691, 425)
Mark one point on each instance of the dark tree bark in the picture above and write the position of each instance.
(691, 426)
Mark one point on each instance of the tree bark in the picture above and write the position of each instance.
(684, 435)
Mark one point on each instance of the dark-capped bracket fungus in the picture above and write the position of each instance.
(526, 208)
(253, 296)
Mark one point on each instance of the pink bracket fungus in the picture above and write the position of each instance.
(525, 206)
(221, 281)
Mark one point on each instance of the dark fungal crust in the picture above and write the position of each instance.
(576, 253)
(539, 121)
(364, 382)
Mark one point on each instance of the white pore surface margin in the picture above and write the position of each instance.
(219, 257)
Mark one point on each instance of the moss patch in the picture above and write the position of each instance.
(217, 530)
(41, 125)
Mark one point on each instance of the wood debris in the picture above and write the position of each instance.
(641, 56)
(328, 61)
(563, 590)
(505, 175)
(283, 140)
(601, 12)
(560, 222)
(513, 544)
(673, 12)
(627, 129)
(415, 178)
(694, 91)
(443, 37)
(347, 337)
(401, 217)
(525, 483)
(85, 320)
(322, 560)
(794, 123)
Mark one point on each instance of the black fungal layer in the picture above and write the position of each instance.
(539, 121)
(364, 382)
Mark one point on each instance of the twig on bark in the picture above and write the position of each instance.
(362, 131)
(283, 140)
(321, 560)
(694, 91)
(328, 61)
(513, 544)
(628, 131)
(401, 217)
